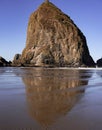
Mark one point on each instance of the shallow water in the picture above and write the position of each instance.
(50, 99)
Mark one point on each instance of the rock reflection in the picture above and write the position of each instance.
(48, 93)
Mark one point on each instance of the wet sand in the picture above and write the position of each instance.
(50, 99)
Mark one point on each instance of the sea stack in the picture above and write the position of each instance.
(53, 39)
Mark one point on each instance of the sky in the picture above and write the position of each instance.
(14, 16)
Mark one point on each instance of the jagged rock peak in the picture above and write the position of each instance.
(54, 39)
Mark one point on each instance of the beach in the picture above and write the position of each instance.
(50, 98)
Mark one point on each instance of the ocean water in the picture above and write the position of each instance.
(50, 99)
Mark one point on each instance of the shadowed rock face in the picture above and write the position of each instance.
(3, 62)
(53, 39)
(52, 93)
(99, 62)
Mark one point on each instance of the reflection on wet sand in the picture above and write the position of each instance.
(48, 94)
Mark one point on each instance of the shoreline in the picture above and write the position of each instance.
(79, 68)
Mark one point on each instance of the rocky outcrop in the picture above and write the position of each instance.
(99, 62)
(3, 62)
(54, 40)
(17, 60)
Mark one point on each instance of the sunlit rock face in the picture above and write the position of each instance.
(54, 40)
(52, 93)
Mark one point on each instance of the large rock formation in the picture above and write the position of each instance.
(54, 40)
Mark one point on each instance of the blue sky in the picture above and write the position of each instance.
(14, 15)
